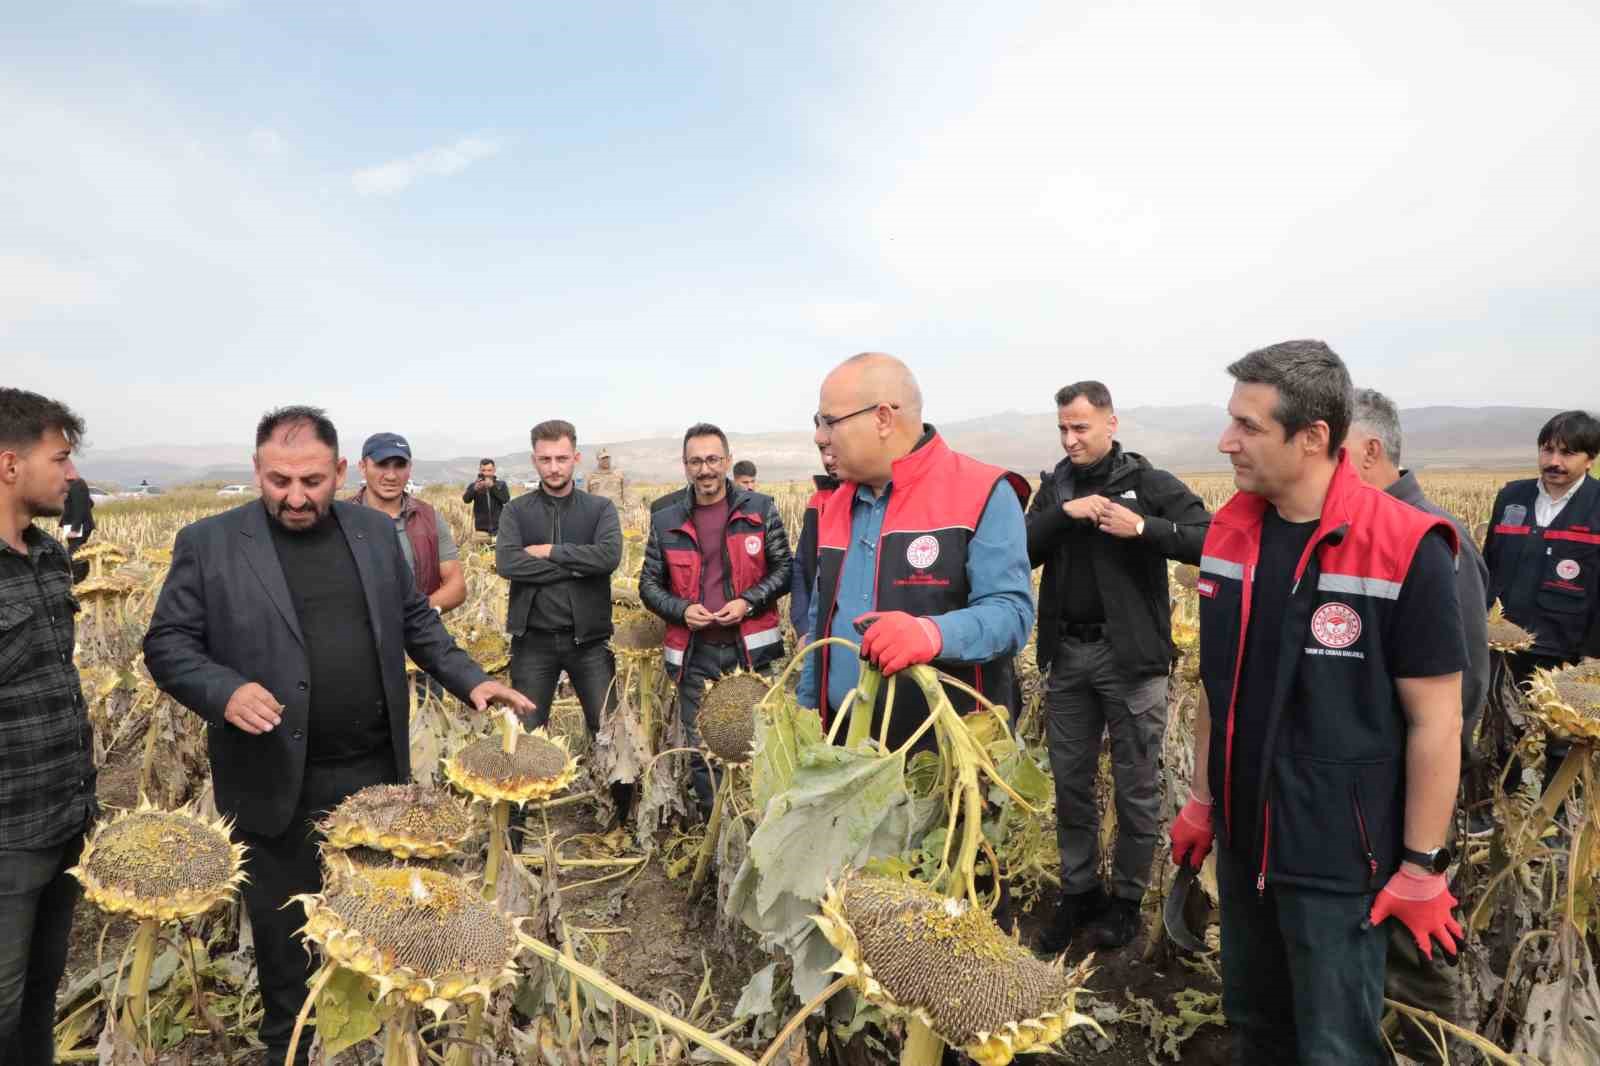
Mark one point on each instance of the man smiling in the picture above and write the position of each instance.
(425, 539)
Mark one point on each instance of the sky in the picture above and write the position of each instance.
(457, 220)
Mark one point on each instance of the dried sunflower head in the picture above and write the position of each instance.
(405, 820)
(160, 865)
(1186, 575)
(489, 648)
(420, 934)
(1505, 635)
(638, 634)
(537, 769)
(1569, 702)
(727, 717)
(910, 950)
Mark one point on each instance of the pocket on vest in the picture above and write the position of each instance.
(1335, 820)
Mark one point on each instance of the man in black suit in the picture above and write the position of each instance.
(285, 623)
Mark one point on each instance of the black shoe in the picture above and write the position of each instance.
(1073, 912)
(1117, 927)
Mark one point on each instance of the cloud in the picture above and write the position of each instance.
(397, 175)
(268, 143)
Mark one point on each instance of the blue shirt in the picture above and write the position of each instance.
(999, 611)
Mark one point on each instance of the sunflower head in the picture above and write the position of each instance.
(161, 865)
(910, 950)
(407, 821)
(537, 767)
(1505, 635)
(727, 718)
(638, 634)
(1186, 575)
(1569, 702)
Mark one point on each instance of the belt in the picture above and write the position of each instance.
(1085, 632)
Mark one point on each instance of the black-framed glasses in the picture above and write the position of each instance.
(705, 461)
(827, 422)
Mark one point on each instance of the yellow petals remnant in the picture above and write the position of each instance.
(407, 821)
(1505, 635)
(1569, 701)
(910, 950)
(539, 768)
(160, 865)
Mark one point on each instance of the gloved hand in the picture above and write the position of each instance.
(1423, 903)
(895, 640)
(1192, 834)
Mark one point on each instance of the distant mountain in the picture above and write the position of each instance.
(1180, 438)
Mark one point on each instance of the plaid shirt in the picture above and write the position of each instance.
(47, 773)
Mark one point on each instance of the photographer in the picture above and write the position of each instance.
(487, 495)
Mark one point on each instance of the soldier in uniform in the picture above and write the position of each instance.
(605, 481)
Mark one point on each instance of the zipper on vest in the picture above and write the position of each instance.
(1366, 841)
(1266, 841)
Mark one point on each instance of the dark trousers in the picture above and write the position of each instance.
(36, 900)
(706, 663)
(538, 658)
(1302, 982)
(287, 865)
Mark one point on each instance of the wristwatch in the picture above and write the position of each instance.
(1436, 861)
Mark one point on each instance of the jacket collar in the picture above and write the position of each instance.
(1407, 489)
(1245, 511)
(408, 506)
(927, 453)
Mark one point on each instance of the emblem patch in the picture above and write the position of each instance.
(923, 552)
(752, 545)
(1206, 587)
(1514, 515)
(1568, 569)
(1335, 626)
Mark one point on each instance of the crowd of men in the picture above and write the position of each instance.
(1342, 659)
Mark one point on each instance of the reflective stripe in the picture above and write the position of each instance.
(672, 655)
(763, 638)
(1360, 586)
(1512, 531)
(1567, 534)
(1212, 565)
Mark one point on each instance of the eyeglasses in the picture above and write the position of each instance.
(827, 422)
(700, 462)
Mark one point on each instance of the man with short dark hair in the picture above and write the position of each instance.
(715, 565)
(285, 623)
(744, 474)
(1103, 525)
(1374, 444)
(423, 534)
(1331, 651)
(47, 771)
(488, 496)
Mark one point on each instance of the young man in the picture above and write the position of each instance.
(715, 565)
(47, 772)
(286, 623)
(1103, 526)
(488, 496)
(424, 536)
(744, 475)
(923, 547)
(1328, 735)
(77, 523)
(804, 578)
(1374, 444)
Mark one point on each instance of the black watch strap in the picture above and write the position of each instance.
(1436, 861)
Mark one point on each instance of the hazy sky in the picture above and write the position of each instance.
(457, 219)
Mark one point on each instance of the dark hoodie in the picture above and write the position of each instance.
(1129, 575)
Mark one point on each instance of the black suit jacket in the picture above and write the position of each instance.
(225, 618)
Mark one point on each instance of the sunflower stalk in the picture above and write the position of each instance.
(144, 954)
(708, 846)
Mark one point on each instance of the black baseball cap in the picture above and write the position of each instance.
(381, 446)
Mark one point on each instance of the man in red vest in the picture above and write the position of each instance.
(922, 547)
(425, 539)
(1328, 733)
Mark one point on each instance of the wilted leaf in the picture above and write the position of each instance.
(346, 1011)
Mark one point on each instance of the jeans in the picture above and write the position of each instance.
(288, 865)
(707, 662)
(538, 658)
(1302, 981)
(1087, 695)
(36, 900)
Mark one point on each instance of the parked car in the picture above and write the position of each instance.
(236, 490)
(414, 487)
(141, 492)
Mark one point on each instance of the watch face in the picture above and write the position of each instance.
(1441, 860)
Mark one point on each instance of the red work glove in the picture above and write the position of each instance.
(895, 640)
(1192, 834)
(1423, 903)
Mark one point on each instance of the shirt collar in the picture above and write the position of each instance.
(34, 539)
(1564, 497)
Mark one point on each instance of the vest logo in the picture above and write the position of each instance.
(752, 545)
(1568, 569)
(1335, 626)
(923, 552)
(1206, 587)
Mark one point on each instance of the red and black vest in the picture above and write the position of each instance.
(1548, 578)
(1332, 798)
(422, 530)
(936, 501)
(805, 556)
(744, 551)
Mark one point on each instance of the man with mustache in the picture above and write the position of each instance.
(715, 566)
(285, 624)
(1543, 551)
(422, 533)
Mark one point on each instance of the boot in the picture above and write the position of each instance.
(1117, 926)
(1073, 912)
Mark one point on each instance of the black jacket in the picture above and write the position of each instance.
(1548, 580)
(587, 539)
(486, 504)
(225, 617)
(672, 511)
(78, 512)
(1132, 573)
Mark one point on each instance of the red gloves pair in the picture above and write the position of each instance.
(1422, 902)
(895, 640)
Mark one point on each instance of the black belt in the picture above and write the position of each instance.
(1085, 632)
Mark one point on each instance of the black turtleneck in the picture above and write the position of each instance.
(1076, 586)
